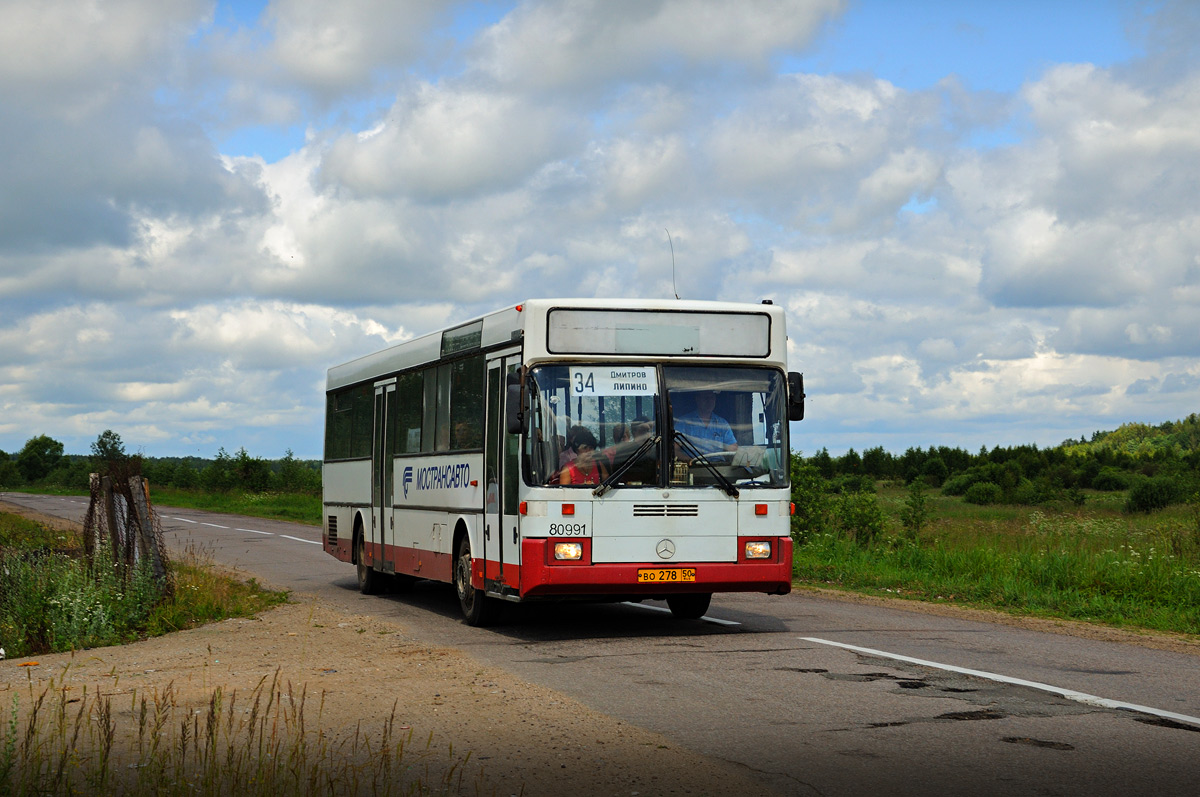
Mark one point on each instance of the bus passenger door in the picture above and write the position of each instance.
(383, 520)
(502, 543)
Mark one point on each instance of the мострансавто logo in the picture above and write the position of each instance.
(437, 477)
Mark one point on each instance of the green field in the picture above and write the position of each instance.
(1095, 563)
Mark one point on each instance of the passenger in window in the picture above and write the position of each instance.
(641, 428)
(586, 468)
(705, 429)
(620, 434)
(566, 452)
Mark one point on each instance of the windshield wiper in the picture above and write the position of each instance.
(606, 485)
(730, 490)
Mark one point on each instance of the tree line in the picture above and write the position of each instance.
(1158, 465)
(41, 462)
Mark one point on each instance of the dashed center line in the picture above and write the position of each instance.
(297, 539)
(256, 531)
(214, 525)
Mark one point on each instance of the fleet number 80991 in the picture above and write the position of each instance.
(568, 529)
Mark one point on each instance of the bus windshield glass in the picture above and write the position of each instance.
(591, 420)
(727, 421)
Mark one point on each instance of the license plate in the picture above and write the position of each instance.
(666, 575)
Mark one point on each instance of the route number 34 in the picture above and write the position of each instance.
(584, 382)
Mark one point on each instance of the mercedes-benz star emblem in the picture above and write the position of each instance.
(665, 549)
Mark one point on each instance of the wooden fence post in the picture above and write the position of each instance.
(147, 543)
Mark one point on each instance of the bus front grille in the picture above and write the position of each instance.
(666, 510)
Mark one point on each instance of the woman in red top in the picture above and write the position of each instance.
(586, 468)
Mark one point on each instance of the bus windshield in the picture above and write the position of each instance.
(591, 420)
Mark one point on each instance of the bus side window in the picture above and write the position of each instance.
(466, 403)
(410, 412)
(429, 421)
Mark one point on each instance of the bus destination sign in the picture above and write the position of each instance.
(614, 380)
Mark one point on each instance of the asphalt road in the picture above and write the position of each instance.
(768, 683)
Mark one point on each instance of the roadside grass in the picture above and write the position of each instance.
(273, 506)
(263, 743)
(55, 601)
(58, 742)
(1092, 563)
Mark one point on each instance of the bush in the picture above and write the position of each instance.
(984, 493)
(860, 483)
(1110, 480)
(859, 515)
(958, 485)
(811, 496)
(1151, 494)
(1030, 493)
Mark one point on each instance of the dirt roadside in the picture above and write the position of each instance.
(523, 738)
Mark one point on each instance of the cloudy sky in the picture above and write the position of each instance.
(983, 219)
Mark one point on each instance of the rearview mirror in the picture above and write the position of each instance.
(514, 419)
(795, 396)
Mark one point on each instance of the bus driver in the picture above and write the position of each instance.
(705, 429)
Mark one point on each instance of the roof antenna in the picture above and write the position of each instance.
(673, 288)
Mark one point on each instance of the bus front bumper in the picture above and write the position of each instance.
(543, 576)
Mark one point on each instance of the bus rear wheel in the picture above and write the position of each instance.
(691, 606)
(477, 607)
(369, 582)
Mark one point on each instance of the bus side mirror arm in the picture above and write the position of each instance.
(514, 419)
(795, 396)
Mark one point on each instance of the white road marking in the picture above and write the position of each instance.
(705, 618)
(1069, 694)
(297, 539)
(256, 531)
(185, 520)
(214, 525)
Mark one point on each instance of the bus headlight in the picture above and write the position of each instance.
(568, 550)
(759, 549)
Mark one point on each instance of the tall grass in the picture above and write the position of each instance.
(1096, 565)
(262, 743)
(54, 600)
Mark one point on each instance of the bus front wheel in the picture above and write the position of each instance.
(691, 606)
(476, 606)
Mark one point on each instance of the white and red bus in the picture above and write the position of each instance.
(569, 448)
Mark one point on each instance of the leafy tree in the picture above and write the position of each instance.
(935, 471)
(109, 448)
(915, 512)
(250, 473)
(38, 457)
